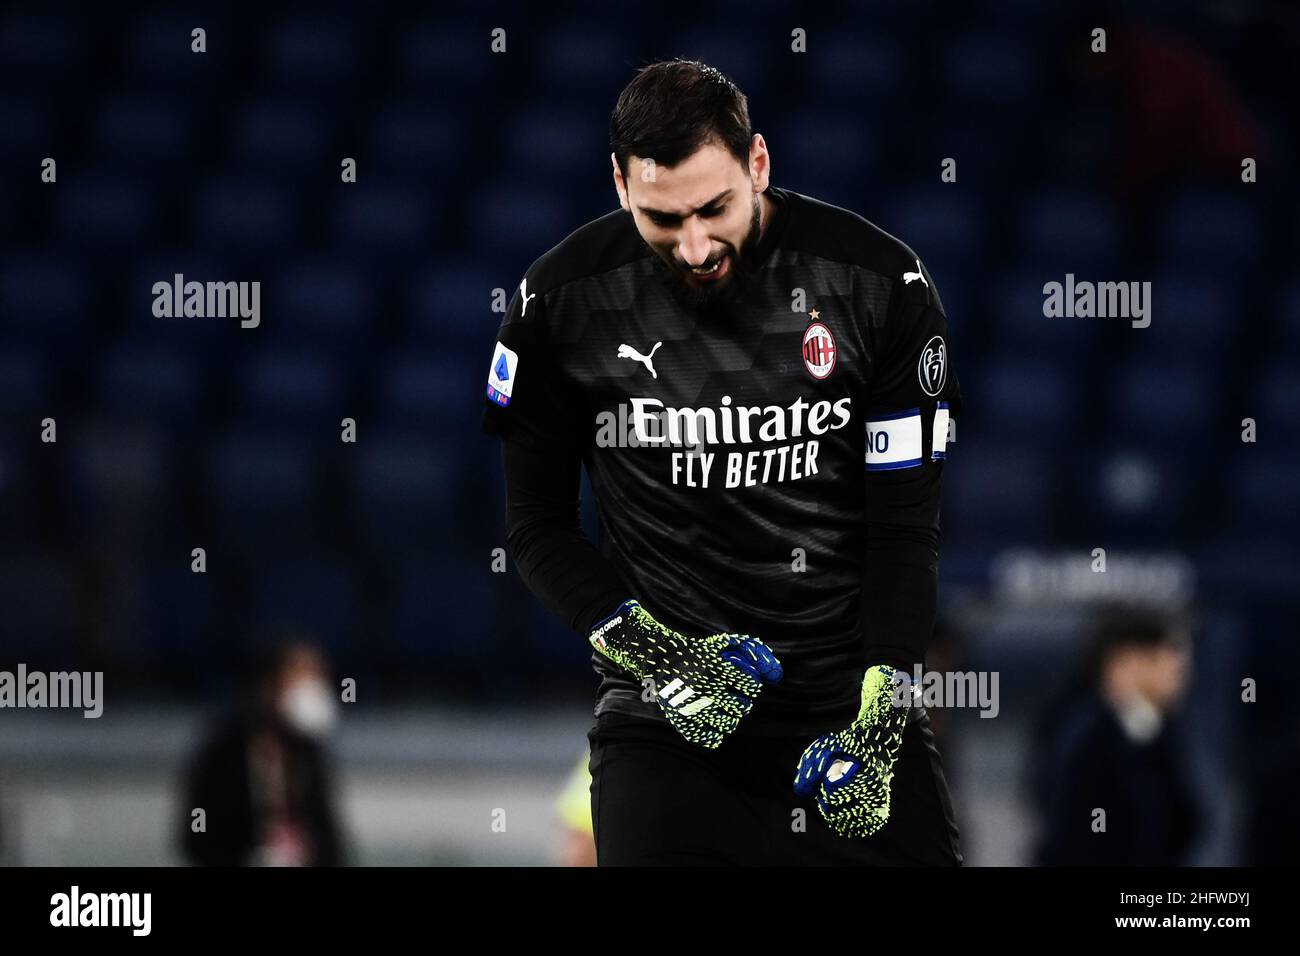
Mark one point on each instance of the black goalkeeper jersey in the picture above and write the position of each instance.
(736, 455)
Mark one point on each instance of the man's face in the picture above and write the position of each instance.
(701, 218)
(1168, 673)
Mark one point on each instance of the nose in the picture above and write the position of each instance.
(694, 245)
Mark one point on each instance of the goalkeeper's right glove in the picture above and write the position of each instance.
(704, 685)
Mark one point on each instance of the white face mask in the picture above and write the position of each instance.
(309, 707)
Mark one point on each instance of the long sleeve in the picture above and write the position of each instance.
(914, 396)
(544, 532)
(541, 420)
(901, 573)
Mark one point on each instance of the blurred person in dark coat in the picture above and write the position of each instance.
(1112, 745)
(261, 776)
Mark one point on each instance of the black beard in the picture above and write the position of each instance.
(706, 298)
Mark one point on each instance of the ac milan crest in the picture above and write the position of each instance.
(818, 350)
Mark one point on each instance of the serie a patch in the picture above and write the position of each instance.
(502, 374)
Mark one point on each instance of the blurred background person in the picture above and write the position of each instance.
(1114, 746)
(577, 839)
(262, 778)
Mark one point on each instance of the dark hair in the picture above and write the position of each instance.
(1118, 627)
(672, 108)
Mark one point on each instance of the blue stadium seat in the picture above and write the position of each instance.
(42, 44)
(829, 150)
(294, 386)
(234, 215)
(1274, 402)
(263, 493)
(1028, 17)
(41, 616)
(1018, 323)
(436, 57)
(1071, 232)
(433, 393)
(444, 616)
(142, 380)
(161, 46)
(1265, 502)
(283, 133)
(26, 385)
(1162, 403)
(448, 305)
(988, 145)
(585, 57)
(45, 299)
(999, 493)
(551, 140)
(20, 510)
(106, 211)
(856, 67)
(1023, 401)
(123, 482)
(1076, 143)
(314, 50)
(384, 222)
(403, 490)
(991, 67)
(27, 125)
(1132, 493)
(1288, 320)
(145, 131)
(325, 303)
(317, 597)
(939, 223)
(180, 620)
(1193, 314)
(1217, 232)
(420, 139)
(521, 220)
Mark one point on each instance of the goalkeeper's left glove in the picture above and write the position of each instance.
(850, 771)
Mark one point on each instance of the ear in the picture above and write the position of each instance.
(619, 185)
(760, 163)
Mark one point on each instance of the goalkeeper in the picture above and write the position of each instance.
(758, 386)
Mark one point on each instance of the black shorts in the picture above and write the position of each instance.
(657, 800)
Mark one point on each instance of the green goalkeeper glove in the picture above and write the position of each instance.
(704, 685)
(850, 771)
